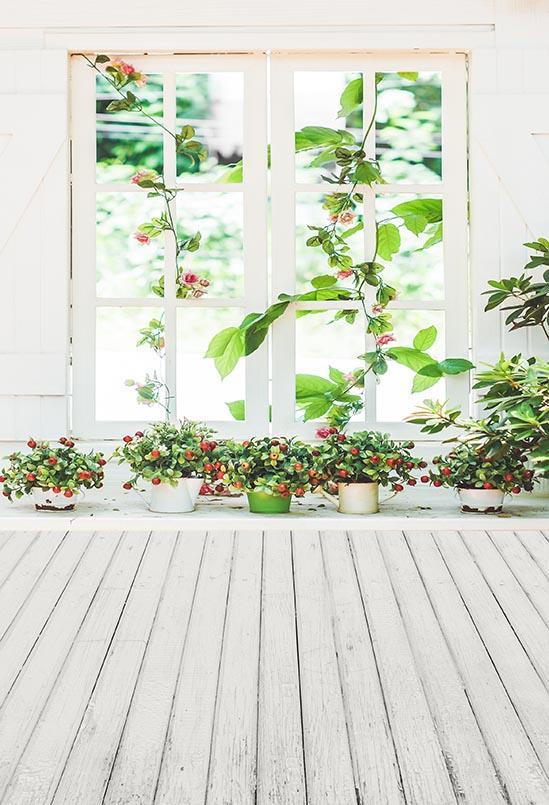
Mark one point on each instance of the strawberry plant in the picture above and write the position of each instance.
(276, 466)
(471, 467)
(62, 469)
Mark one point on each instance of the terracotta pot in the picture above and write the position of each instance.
(47, 501)
(481, 501)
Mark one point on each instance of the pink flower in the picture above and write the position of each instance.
(349, 377)
(189, 278)
(142, 238)
(142, 80)
(346, 217)
(344, 273)
(383, 340)
(377, 309)
(140, 176)
(323, 433)
(334, 218)
(123, 66)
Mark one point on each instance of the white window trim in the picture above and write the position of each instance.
(453, 190)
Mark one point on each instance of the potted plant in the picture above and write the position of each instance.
(359, 463)
(175, 460)
(54, 476)
(481, 479)
(269, 470)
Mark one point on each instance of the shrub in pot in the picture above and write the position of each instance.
(175, 459)
(359, 463)
(269, 470)
(55, 476)
(481, 479)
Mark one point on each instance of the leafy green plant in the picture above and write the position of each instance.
(277, 466)
(470, 467)
(365, 457)
(526, 297)
(62, 469)
(166, 452)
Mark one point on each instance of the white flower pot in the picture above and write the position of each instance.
(358, 498)
(175, 499)
(46, 500)
(482, 501)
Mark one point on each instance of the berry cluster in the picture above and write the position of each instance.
(469, 467)
(62, 469)
(276, 466)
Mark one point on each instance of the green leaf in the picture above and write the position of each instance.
(315, 137)
(455, 366)
(323, 281)
(237, 409)
(436, 236)
(316, 409)
(102, 59)
(234, 350)
(311, 386)
(429, 208)
(337, 376)
(425, 338)
(388, 241)
(415, 223)
(234, 175)
(411, 358)
(367, 173)
(410, 76)
(351, 97)
(218, 344)
(422, 382)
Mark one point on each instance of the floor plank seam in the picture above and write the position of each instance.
(299, 671)
(259, 665)
(527, 548)
(19, 560)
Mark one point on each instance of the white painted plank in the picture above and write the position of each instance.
(534, 582)
(13, 551)
(537, 546)
(514, 757)
(17, 642)
(424, 773)
(526, 622)
(22, 579)
(89, 764)
(232, 773)
(4, 537)
(471, 770)
(184, 769)
(137, 763)
(329, 769)
(24, 704)
(377, 774)
(280, 770)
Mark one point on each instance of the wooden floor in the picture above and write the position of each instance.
(186, 668)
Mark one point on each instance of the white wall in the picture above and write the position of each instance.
(509, 146)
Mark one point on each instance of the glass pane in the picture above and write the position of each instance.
(201, 394)
(317, 103)
(409, 127)
(322, 343)
(220, 259)
(213, 104)
(120, 359)
(310, 260)
(127, 141)
(394, 392)
(126, 267)
(417, 269)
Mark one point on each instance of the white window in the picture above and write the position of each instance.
(419, 138)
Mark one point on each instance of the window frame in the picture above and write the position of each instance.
(452, 189)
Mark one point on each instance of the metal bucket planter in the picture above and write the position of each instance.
(45, 500)
(262, 503)
(481, 501)
(179, 499)
(356, 498)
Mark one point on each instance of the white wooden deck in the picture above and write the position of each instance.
(274, 667)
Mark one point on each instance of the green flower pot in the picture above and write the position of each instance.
(262, 503)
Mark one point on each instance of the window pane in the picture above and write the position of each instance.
(321, 344)
(311, 261)
(127, 141)
(213, 103)
(409, 127)
(416, 272)
(394, 391)
(317, 103)
(120, 359)
(220, 259)
(201, 394)
(126, 267)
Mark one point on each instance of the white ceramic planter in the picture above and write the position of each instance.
(481, 501)
(46, 500)
(175, 499)
(358, 498)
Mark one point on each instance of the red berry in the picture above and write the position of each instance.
(31, 476)
(217, 465)
(219, 475)
(238, 484)
(398, 487)
(446, 471)
(69, 443)
(354, 451)
(127, 439)
(342, 473)
(204, 446)
(127, 485)
(341, 437)
(298, 467)
(155, 453)
(208, 467)
(487, 485)
(52, 460)
(282, 487)
(283, 447)
(82, 476)
(68, 493)
(424, 479)
(375, 459)
(245, 443)
(213, 445)
(390, 462)
(412, 482)
(205, 489)
(299, 491)
(101, 462)
(2, 479)
(6, 494)
(508, 476)
(332, 430)
(156, 481)
(527, 474)
(56, 489)
(189, 455)
(312, 473)
(437, 482)
(220, 488)
(31, 443)
(139, 434)
(422, 464)
(409, 465)
(516, 490)
(62, 439)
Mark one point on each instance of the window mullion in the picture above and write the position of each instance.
(369, 206)
(170, 256)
